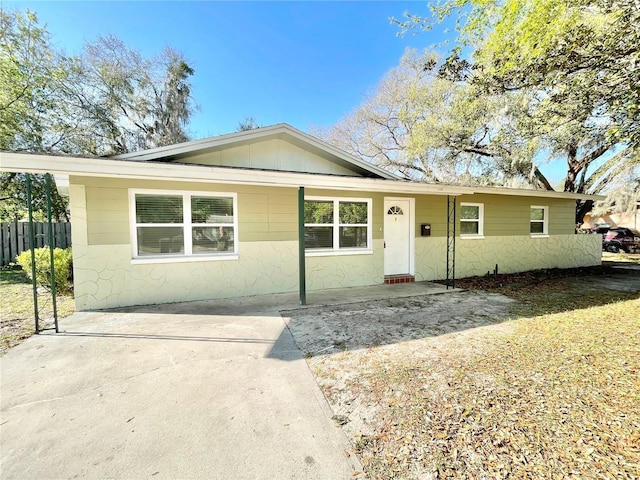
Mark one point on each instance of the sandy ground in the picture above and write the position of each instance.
(342, 342)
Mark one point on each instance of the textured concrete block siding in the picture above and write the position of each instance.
(267, 233)
(507, 242)
(106, 277)
(522, 253)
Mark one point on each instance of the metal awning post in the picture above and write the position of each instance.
(301, 248)
(451, 241)
(51, 256)
(32, 246)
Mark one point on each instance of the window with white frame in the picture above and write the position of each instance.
(471, 219)
(167, 223)
(539, 221)
(332, 224)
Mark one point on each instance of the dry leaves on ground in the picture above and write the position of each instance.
(558, 399)
(556, 395)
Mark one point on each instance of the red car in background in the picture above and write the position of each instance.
(621, 239)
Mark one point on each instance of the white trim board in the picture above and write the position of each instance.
(108, 168)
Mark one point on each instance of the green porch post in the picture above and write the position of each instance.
(51, 247)
(32, 246)
(301, 257)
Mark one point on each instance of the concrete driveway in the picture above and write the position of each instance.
(198, 390)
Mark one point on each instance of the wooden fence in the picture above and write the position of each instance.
(14, 238)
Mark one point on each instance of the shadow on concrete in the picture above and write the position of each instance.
(331, 329)
(361, 317)
(182, 338)
(212, 320)
(282, 348)
(273, 304)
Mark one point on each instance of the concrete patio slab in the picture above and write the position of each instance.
(166, 395)
(210, 389)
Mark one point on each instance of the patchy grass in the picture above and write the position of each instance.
(16, 308)
(621, 258)
(554, 396)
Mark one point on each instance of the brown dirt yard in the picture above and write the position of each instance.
(534, 375)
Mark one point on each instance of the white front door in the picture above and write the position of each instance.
(397, 235)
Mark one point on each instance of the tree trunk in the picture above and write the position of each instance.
(582, 208)
(573, 168)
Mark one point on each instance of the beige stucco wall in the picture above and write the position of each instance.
(335, 271)
(518, 253)
(522, 253)
(105, 277)
(267, 262)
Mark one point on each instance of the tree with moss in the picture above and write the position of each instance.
(577, 63)
(108, 100)
(427, 125)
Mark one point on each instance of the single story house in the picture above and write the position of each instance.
(232, 216)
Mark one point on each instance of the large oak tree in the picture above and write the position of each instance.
(578, 61)
(109, 99)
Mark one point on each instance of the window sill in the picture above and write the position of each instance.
(471, 237)
(539, 235)
(329, 253)
(182, 259)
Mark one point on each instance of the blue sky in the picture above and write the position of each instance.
(303, 63)
(306, 63)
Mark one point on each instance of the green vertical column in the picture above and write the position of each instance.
(51, 247)
(32, 246)
(301, 257)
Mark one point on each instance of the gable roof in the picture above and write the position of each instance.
(176, 153)
(164, 163)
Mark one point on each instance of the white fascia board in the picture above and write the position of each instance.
(102, 167)
(523, 192)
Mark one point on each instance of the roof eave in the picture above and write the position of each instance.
(113, 168)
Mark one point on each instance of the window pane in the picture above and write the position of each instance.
(537, 214)
(158, 209)
(469, 228)
(160, 240)
(470, 212)
(353, 212)
(213, 239)
(537, 227)
(316, 211)
(318, 237)
(211, 210)
(353, 237)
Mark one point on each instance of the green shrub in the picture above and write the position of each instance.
(62, 261)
